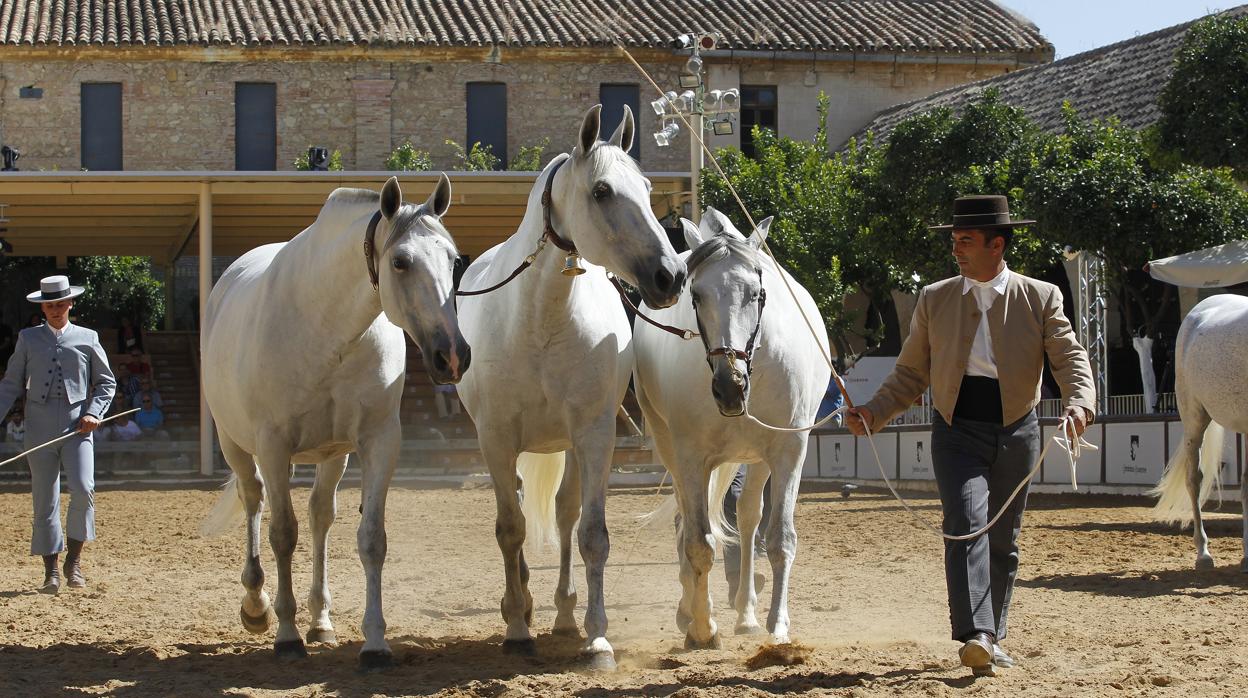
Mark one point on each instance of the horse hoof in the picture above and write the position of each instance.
(567, 631)
(749, 629)
(601, 662)
(375, 660)
(711, 644)
(257, 625)
(1205, 562)
(524, 648)
(322, 636)
(290, 649)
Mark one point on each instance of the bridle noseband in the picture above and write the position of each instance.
(744, 355)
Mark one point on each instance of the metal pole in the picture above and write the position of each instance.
(1090, 304)
(206, 432)
(695, 157)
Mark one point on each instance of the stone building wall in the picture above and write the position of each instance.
(178, 109)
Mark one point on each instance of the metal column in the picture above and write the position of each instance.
(1090, 306)
(206, 432)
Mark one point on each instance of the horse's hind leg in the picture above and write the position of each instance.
(1243, 502)
(1195, 422)
(567, 512)
(782, 536)
(749, 513)
(517, 603)
(283, 535)
(322, 507)
(256, 611)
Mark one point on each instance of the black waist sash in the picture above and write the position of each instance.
(979, 399)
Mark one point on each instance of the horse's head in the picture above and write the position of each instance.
(601, 204)
(416, 278)
(726, 286)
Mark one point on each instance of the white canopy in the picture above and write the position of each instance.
(1224, 265)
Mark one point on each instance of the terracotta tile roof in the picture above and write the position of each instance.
(784, 25)
(1123, 80)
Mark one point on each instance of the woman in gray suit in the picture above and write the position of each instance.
(68, 384)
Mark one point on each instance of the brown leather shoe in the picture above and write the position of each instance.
(977, 654)
(73, 573)
(51, 578)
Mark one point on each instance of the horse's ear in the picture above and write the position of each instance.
(693, 236)
(623, 136)
(715, 223)
(440, 200)
(759, 236)
(590, 127)
(391, 198)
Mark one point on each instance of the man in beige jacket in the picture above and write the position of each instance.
(979, 341)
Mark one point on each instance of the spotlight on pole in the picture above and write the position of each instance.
(722, 127)
(318, 159)
(665, 137)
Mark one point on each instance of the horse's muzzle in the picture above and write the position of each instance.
(446, 359)
(661, 287)
(731, 390)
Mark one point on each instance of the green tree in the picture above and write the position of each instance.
(335, 161)
(115, 287)
(529, 159)
(407, 158)
(1205, 104)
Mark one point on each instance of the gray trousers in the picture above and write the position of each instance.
(77, 455)
(978, 465)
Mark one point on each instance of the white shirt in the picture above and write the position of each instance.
(55, 332)
(982, 362)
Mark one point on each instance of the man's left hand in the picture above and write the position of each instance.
(1078, 419)
(87, 424)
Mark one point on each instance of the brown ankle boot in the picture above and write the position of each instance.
(73, 575)
(51, 578)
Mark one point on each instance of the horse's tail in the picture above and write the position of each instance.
(226, 513)
(722, 531)
(1174, 504)
(540, 476)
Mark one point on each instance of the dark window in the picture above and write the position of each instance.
(487, 118)
(758, 107)
(101, 125)
(255, 126)
(614, 98)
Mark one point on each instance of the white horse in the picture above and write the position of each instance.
(304, 363)
(552, 360)
(752, 332)
(1210, 379)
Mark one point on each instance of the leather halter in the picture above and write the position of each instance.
(745, 355)
(370, 248)
(548, 233)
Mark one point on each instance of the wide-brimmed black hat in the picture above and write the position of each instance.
(982, 211)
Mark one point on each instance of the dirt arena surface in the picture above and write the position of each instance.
(1107, 605)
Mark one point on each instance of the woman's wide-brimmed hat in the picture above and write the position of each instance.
(982, 211)
(54, 288)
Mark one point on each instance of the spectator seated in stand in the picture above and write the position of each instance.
(147, 389)
(446, 400)
(128, 386)
(129, 337)
(123, 429)
(151, 420)
(15, 428)
(138, 365)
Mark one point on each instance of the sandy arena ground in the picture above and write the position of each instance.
(1107, 605)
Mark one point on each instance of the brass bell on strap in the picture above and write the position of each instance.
(572, 265)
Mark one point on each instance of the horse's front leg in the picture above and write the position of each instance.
(782, 537)
(567, 512)
(697, 547)
(256, 610)
(322, 507)
(379, 455)
(594, 446)
(517, 603)
(274, 459)
(749, 513)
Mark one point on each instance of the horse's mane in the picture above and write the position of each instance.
(347, 199)
(605, 155)
(722, 244)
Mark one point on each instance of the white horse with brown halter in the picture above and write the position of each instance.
(552, 357)
(1210, 380)
(304, 362)
(752, 333)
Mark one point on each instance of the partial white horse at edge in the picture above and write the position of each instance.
(304, 362)
(551, 364)
(1210, 382)
(740, 304)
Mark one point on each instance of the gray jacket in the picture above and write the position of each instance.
(77, 353)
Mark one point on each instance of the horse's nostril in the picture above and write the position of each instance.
(663, 280)
(717, 393)
(440, 361)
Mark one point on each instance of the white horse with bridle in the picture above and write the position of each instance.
(303, 362)
(552, 358)
(752, 333)
(1210, 382)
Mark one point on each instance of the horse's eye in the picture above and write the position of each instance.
(400, 263)
(601, 191)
